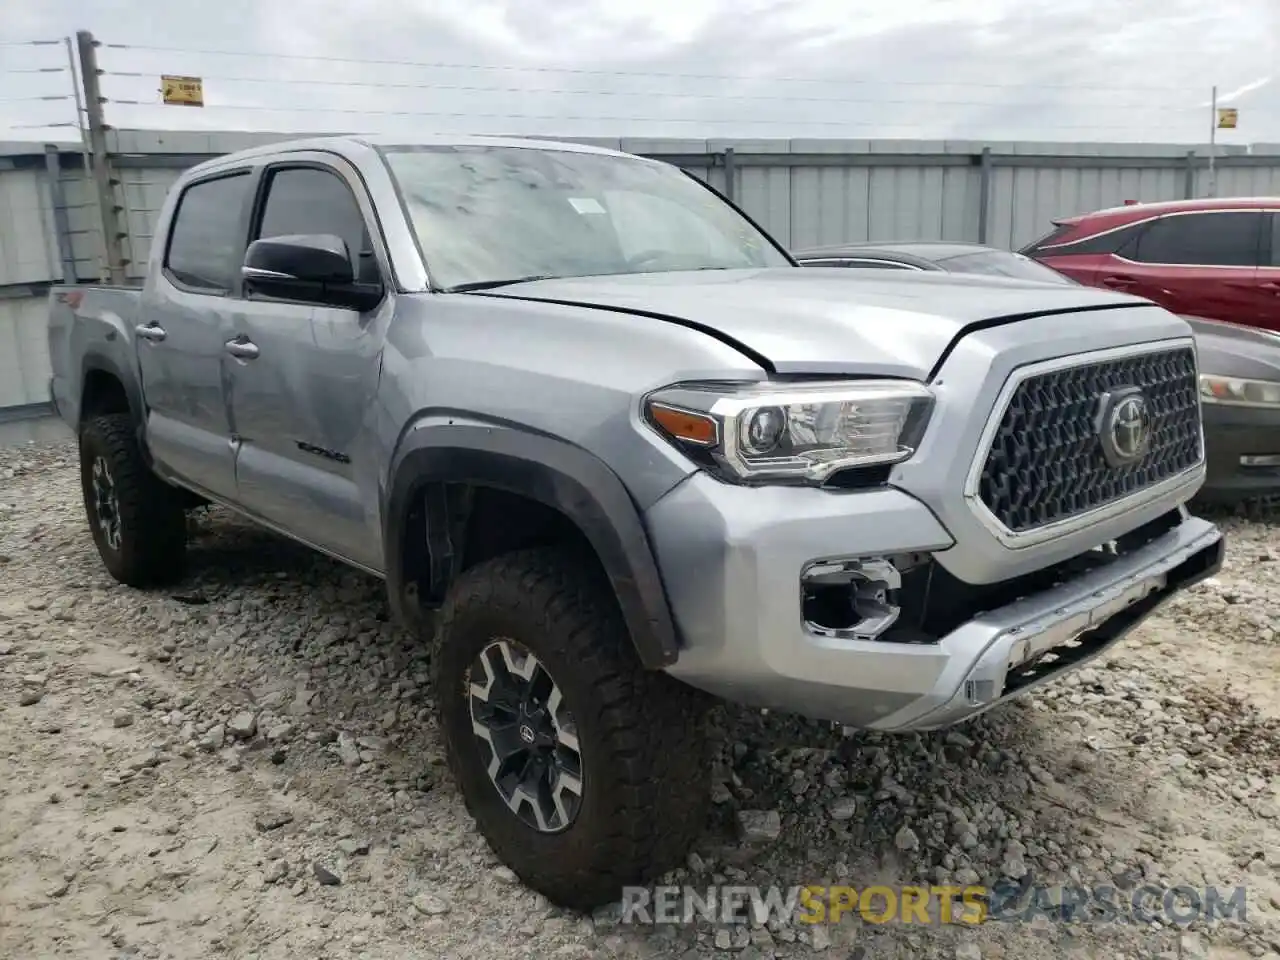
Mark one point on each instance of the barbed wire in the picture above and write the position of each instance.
(32, 96)
(648, 74)
(671, 94)
(480, 115)
(1172, 121)
(912, 104)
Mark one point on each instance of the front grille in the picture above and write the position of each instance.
(1046, 462)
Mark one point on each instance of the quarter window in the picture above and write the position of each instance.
(205, 240)
(1109, 241)
(1209, 239)
(307, 200)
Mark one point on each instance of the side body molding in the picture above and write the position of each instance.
(555, 473)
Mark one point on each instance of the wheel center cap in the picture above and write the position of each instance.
(527, 734)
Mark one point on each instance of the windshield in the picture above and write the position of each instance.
(1000, 263)
(485, 215)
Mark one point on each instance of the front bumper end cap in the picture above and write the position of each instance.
(1033, 641)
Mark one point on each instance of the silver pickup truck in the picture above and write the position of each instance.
(612, 450)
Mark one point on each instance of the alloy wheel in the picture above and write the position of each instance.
(527, 735)
(106, 505)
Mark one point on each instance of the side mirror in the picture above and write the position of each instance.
(312, 268)
(310, 259)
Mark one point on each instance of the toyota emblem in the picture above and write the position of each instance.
(1124, 426)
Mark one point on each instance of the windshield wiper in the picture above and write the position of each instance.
(491, 284)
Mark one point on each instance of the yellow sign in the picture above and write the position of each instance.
(182, 91)
(1227, 117)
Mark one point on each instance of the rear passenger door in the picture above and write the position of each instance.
(1203, 264)
(186, 309)
(1269, 274)
(303, 406)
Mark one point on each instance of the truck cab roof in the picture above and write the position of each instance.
(352, 145)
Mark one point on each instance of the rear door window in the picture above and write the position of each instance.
(206, 240)
(1229, 239)
(1275, 238)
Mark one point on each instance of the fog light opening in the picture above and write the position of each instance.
(1260, 460)
(850, 599)
(978, 692)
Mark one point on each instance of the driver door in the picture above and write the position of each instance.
(303, 375)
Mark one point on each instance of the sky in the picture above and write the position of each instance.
(998, 70)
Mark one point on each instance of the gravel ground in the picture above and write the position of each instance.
(245, 766)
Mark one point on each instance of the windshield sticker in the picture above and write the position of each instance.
(586, 205)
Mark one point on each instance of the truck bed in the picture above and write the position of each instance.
(89, 326)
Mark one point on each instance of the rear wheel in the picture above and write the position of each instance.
(584, 771)
(137, 520)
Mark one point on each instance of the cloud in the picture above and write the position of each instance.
(1074, 70)
(1241, 91)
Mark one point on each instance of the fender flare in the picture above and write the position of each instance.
(100, 361)
(552, 472)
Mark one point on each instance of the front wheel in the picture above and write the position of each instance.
(136, 519)
(583, 771)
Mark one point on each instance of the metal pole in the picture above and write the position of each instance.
(101, 253)
(984, 194)
(61, 220)
(93, 101)
(730, 175)
(1213, 144)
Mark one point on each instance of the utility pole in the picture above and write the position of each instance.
(100, 255)
(1213, 143)
(103, 183)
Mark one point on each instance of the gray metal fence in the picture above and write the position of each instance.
(805, 192)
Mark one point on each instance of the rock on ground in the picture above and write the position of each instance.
(245, 765)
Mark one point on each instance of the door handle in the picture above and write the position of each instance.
(242, 349)
(1119, 282)
(150, 331)
(1271, 285)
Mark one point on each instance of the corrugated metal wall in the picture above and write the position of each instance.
(28, 250)
(805, 192)
(806, 206)
(24, 354)
(29, 262)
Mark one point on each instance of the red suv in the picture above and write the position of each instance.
(1207, 258)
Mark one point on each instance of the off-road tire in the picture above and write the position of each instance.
(152, 524)
(642, 735)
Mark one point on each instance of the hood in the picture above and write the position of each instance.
(826, 319)
(1232, 350)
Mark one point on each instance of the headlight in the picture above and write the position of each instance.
(761, 432)
(1238, 392)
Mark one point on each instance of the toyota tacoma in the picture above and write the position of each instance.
(614, 453)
